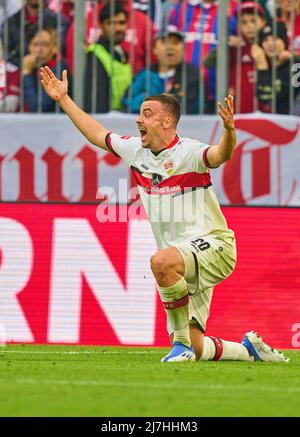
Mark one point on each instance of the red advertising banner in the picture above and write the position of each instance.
(67, 278)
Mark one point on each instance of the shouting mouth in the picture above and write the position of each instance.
(143, 133)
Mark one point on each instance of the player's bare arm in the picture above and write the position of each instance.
(58, 91)
(223, 151)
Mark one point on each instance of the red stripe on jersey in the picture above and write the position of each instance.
(173, 184)
(141, 180)
(173, 143)
(187, 180)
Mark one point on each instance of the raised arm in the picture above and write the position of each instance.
(58, 90)
(222, 152)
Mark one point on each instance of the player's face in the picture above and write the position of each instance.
(150, 122)
(169, 51)
(250, 26)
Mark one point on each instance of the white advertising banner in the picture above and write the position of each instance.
(45, 158)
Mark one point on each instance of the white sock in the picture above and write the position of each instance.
(235, 351)
(217, 349)
(176, 303)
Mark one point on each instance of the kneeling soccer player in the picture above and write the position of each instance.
(197, 250)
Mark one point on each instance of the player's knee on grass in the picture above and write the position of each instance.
(166, 263)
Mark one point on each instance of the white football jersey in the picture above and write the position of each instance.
(175, 188)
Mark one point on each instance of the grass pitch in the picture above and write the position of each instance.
(109, 382)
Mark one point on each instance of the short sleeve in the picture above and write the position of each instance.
(204, 158)
(125, 147)
(200, 157)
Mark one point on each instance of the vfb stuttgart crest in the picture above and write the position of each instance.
(169, 166)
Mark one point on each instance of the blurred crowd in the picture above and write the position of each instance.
(136, 48)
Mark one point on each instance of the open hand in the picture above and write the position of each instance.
(55, 88)
(226, 113)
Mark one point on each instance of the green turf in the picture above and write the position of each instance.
(94, 381)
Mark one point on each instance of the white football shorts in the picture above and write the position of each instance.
(208, 261)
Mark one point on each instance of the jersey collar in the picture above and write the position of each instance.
(172, 144)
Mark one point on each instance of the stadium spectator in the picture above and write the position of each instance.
(137, 42)
(263, 54)
(233, 13)
(252, 20)
(166, 75)
(43, 50)
(111, 72)
(199, 21)
(289, 13)
(31, 16)
(9, 87)
(139, 37)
